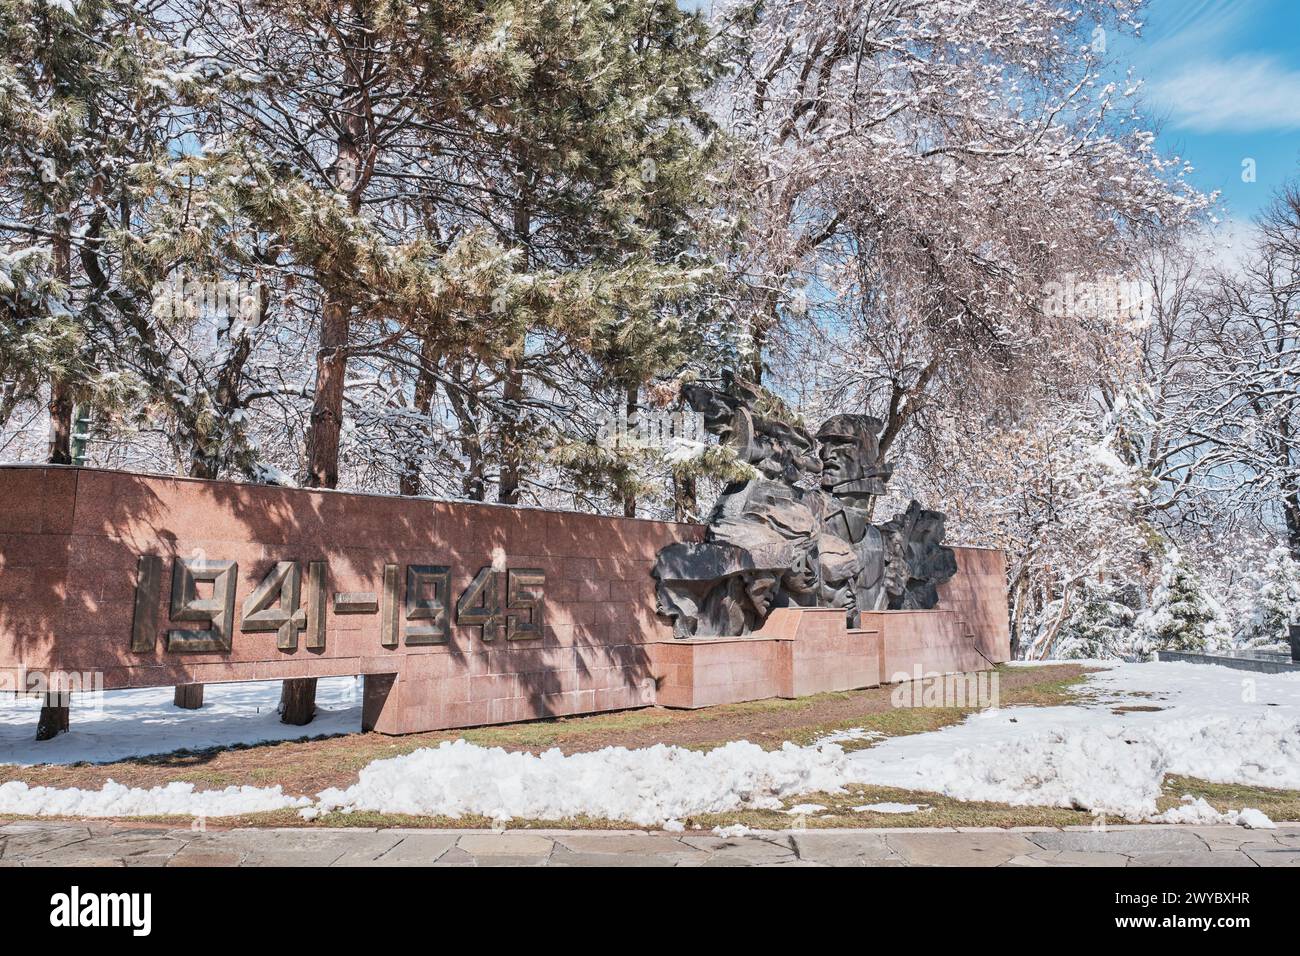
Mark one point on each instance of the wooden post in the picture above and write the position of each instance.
(54, 715)
(298, 701)
(189, 696)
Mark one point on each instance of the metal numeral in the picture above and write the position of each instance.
(277, 604)
(217, 611)
(148, 586)
(283, 583)
(427, 590)
(524, 596)
(388, 621)
(480, 605)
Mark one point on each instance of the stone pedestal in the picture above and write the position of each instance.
(188, 696)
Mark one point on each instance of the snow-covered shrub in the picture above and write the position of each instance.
(1276, 601)
(1100, 624)
(1183, 615)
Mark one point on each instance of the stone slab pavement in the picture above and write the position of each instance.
(116, 844)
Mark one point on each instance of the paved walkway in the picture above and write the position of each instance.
(96, 844)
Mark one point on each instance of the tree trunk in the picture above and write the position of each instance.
(472, 485)
(54, 716)
(327, 404)
(298, 701)
(62, 399)
(60, 407)
(201, 465)
(684, 501)
(336, 314)
(512, 452)
(1291, 515)
(511, 447)
(632, 408)
(188, 696)
(425, 386)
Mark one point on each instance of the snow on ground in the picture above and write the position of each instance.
(645, 786)
(1198, 810)
(134, 723)
(1216, 723)
(116, 800)
(803, 809)
(891, 808)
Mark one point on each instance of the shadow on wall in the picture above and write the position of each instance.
(70, 540)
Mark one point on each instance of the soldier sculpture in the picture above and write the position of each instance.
(799, 533)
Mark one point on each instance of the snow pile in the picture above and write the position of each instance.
(1214, 723)
(1197, 810)
(135, 723)
(647, 786)
(890, 807)
(1062, 767)
(732, 832)
(116, 800)
(804, 809)
(1262, 751)
(1251, 819)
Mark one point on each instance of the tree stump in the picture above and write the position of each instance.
(189, 696)
(54, 716)
(298, 701)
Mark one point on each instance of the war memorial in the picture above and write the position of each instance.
(465, 614)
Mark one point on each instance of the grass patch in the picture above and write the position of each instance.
(1135, 709)
(1051, 691)
(1277, 805)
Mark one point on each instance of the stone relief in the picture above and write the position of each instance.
(799, 533)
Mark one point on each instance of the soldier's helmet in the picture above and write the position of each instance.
(851, 455)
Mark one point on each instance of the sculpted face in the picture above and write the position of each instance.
(801, 579)
(762, 589)
(839, 461)
(850, 454)
(839, 566)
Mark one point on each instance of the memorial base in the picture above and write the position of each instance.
(798, 652)
(457, 614)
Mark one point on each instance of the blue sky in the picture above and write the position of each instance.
(1222, 80)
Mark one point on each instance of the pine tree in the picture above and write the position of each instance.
(1183, 616)
(75, 107)
(1101, 625)
(598, 165)
(1277, 602)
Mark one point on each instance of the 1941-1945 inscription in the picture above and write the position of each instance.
(421, 615)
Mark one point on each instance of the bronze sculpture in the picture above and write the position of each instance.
(799, 533)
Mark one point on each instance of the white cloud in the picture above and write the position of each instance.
(1239, 95)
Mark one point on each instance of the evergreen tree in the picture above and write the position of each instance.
(1183, 616)
(465, 190)
(79, 99)
(1277, 602)
(1101, 625)
(596, 166)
